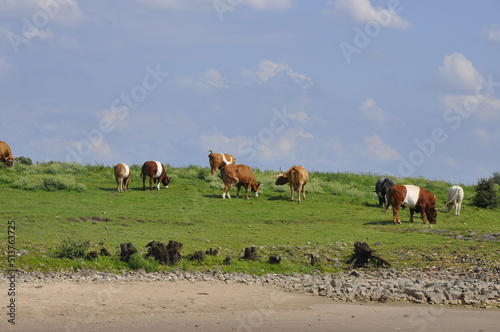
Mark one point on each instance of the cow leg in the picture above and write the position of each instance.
(226, 191)
(119, 184)
(395, 216)
(422, 215)
(144, 182)
(246, 190)
(238, 187)
(303, 191)
(151, 183)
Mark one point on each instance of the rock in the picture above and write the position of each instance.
(436, 296)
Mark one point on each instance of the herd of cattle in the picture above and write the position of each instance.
(415, 198)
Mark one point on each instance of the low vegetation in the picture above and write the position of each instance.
(62, 211)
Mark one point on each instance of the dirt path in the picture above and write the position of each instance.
(205, 306)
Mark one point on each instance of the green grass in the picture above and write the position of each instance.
(340, 209)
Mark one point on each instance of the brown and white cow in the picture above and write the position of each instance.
(6, 155)
(219, 160)
(122, 176)
(156, 172)
(297, 176)
(416, 198)
(241, 176)
(454, 199)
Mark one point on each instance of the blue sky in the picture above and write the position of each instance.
(398, 87)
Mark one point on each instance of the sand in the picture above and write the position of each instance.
(209, 306)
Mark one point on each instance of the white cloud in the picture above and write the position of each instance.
(480, 107)
(459, 73)
(486, 138)
(273, 5)
(33, 32)
(65, 12)
(492, 33)
(5, 68)
(261, 5)
(362, 11)
(374, 148)
(171, 4)
(372, 112)
(269, 69)
(204, 82)
(221, 143)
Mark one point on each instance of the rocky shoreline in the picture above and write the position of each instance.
(477, 288)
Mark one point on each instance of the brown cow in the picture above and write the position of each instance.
(122, 176)
(239, 175)
(297, 176)
(219, 160)
(6, 155)
(156, 172)
(416, 198)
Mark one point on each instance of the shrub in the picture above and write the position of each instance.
(137, 262)
(24, 161)
(495, 178)
(48, 183)
(486, 194)
(72, 249)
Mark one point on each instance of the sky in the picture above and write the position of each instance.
(393, 87)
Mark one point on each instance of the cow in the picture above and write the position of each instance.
(6, 155)
(381, 188)
(454, 199)
(297, 176)
(219, 160)
(156, 172)
(122, 176)
(416, 198)
(239, 175)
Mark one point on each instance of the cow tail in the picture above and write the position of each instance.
(386, 204)
(236, 180)
(453, 199)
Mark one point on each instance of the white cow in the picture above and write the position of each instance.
(455, 198)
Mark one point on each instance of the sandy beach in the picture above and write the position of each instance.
(207, 306)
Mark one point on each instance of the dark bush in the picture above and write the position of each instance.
(486, 194)
(72, 249)
(24, 160)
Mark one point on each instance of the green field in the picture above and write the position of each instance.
(55, 202)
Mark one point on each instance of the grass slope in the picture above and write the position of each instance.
(54, 202)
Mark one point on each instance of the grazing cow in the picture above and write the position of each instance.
(239, 175)
(297, 176)
(6, 156)
(454, 199)
(416, 198)
(381, 188)
(122, 176)
(219, 160)
(156, 172)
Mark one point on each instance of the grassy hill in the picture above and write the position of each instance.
(56, 203)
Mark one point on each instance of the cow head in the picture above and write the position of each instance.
(255, 188)
(165, 181)
(8, 161)
(431, 212)
(282, 178)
